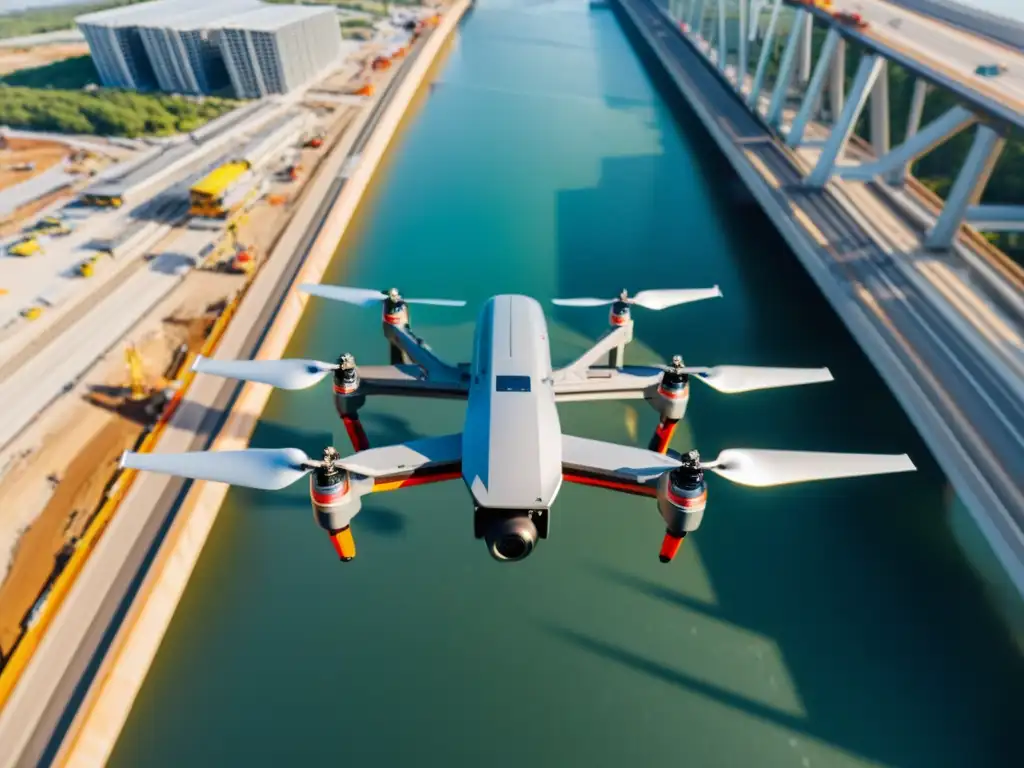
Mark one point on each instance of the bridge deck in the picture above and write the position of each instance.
(960, 385)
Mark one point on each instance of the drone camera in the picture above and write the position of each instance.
(510, 535)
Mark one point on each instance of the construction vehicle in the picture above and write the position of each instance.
(213, 196)
(32, 313)
(88, 267)
(51, 226)
(25, 247)
(243, 262)
(135, 373)
(103, 201)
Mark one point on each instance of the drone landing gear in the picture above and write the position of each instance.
(356, 433)
(670, 546)
(662, 437)
(348, 401)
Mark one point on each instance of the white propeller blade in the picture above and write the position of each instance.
(364, 297)
(266, 469)
(583, 302)
(760, 468)
(747, 378)
(656, 299)
(283, 374)
(670, 297)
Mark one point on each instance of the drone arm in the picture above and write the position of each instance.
(622, 334)
(613, 467)
(604, 383)
(409, 381)
(435, 473)
(427, 460)
(417, 350)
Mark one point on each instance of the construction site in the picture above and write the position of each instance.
(58, 470)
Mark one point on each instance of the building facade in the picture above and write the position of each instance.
(277, 48)
(202, 46)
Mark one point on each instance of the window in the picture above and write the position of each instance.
(511, 383)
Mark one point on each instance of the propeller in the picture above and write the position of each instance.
(364, 297)
(283, 374)
(764, 468)
(270, 469)
(656, 299)
(747, 378)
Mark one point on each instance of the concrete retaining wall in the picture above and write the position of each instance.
(107, 707)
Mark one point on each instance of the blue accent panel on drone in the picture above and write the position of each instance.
(511, 383)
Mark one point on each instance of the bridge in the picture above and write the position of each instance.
(938, 309)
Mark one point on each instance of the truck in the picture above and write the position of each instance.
(212, 197)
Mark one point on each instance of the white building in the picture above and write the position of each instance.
(200, 46)
(184, 48)
(277, 48)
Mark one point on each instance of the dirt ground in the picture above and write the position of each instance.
(45, 154)
(13, 59)
(82, 454)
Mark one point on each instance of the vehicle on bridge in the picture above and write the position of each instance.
(823, 5)
(848, 19)
(990, 70)
(512, 453)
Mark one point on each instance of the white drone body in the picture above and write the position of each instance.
(511, 453)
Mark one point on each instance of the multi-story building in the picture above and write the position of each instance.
(183, 46)
(276, 48)
(200, 46)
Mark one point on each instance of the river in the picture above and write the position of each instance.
(830, 624)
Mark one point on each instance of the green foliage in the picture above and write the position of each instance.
(37, 21)
(69, 74)
(106, 112)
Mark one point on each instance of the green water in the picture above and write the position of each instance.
(835, 624)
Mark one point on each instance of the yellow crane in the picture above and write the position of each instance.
(134, 361)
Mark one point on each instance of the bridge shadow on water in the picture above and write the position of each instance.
(894, 652)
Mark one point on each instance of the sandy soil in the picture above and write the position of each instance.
(13, 59)
(45, 154)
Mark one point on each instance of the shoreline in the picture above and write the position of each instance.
(97, 726)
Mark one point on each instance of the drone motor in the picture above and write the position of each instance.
(682, 497)
(334, 504)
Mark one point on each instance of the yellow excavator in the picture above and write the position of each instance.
(135, 372)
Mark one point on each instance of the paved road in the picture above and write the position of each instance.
(980, 407)
(975, 17)
(51, 684)
(945, 54)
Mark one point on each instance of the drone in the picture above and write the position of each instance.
(511, 453)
